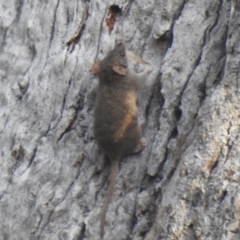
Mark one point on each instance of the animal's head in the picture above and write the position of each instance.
(116, 59)
(115, 62)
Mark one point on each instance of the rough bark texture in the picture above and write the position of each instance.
(53, 179)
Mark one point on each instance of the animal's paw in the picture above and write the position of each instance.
(148, 70)
(143, 142)
(141, 145)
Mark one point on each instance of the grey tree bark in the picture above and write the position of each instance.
(53, 181)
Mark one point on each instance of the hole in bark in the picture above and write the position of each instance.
(113, 12)
(165, 41)
(174, 133)
(202, 91)
(207, 14)
(82, 232)
(163, 101)
(218, 78)
(223, 195)
(166, 36)
(177, 113)
(214, 165)
(197, 198)
(154, 106)
(195, 115)
(115, 9)
(149, 181)
(18, 153)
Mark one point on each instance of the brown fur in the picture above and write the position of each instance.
(116, 128)
(130, 116)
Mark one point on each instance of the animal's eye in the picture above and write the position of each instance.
(122, 54)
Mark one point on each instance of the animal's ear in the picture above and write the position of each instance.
(119, 69)
(96, 68)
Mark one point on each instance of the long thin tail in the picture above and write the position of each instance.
(114, 170)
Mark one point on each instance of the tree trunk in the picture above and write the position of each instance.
(184, 185)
